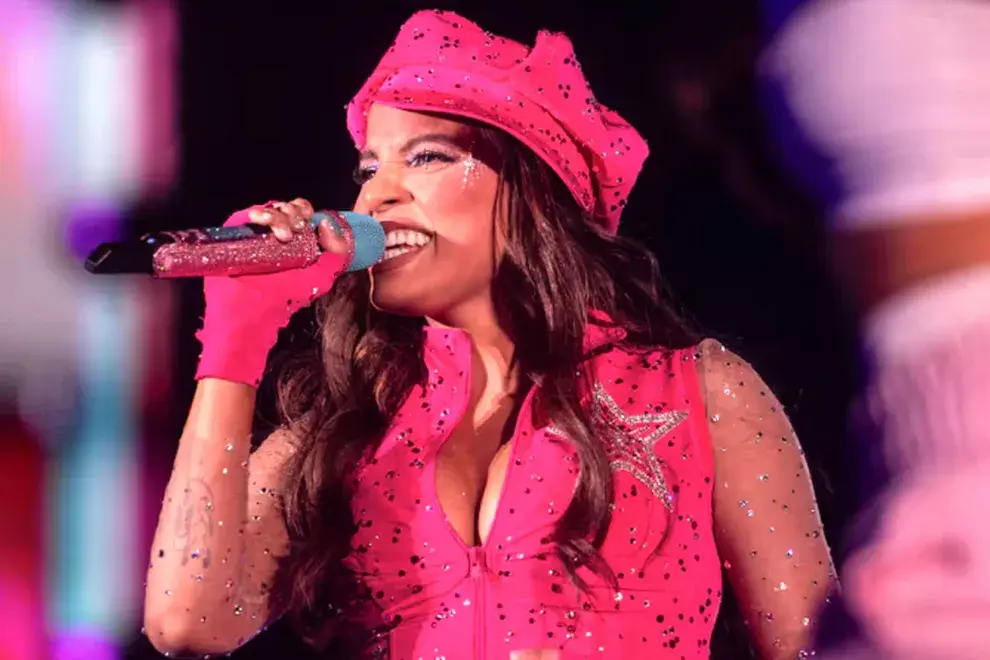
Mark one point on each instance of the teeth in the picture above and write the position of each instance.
(408, 237)
(393, 252)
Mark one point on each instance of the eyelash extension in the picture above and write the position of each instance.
(362, 175)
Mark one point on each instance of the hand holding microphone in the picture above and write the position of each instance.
(244, 314)
(265, 263)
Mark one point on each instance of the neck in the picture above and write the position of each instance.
(492, 349)
(478, 319)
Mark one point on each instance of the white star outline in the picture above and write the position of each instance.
(630, 441)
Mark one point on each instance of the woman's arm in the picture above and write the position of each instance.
(767, 524)
(220, 529)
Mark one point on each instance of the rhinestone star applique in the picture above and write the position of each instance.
(630, 441)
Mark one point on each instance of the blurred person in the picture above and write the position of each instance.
(891, 102)
(507, 443)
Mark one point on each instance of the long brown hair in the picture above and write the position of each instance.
(557, 264)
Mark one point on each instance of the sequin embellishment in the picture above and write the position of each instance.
(630, 441)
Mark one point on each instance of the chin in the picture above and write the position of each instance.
(432, 295)
(400, 300)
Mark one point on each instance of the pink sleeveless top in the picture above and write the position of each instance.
(443, 599)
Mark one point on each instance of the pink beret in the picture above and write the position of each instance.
(441, 62)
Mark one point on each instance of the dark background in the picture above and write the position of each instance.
(262, 89)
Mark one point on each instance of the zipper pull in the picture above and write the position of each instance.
(479, 567)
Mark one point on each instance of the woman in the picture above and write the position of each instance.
(507, 443)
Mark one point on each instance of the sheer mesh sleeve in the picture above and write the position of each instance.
(767, 524)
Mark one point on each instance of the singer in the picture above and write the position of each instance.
(507, 445)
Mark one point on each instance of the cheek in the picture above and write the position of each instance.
(459, 203)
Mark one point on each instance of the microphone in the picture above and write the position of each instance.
(247, 249)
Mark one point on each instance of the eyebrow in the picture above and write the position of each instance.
(412, 143)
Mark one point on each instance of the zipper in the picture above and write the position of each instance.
(477, 553)
(479, 575)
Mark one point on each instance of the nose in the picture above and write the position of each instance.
(384, 191)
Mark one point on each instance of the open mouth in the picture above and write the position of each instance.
(403, 241)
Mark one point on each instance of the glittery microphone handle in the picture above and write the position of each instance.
(249, 255)
(242, 250)
(244, 314)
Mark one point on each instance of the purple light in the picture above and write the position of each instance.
(84, 645)
(89, 225)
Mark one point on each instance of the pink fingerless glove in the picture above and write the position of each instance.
(244, 314)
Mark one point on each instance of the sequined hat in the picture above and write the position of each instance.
(441, 62)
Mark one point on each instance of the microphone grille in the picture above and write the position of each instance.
(369, 236)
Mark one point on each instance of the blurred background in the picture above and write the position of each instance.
(119, 118)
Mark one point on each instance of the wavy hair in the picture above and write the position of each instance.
(556, 264)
